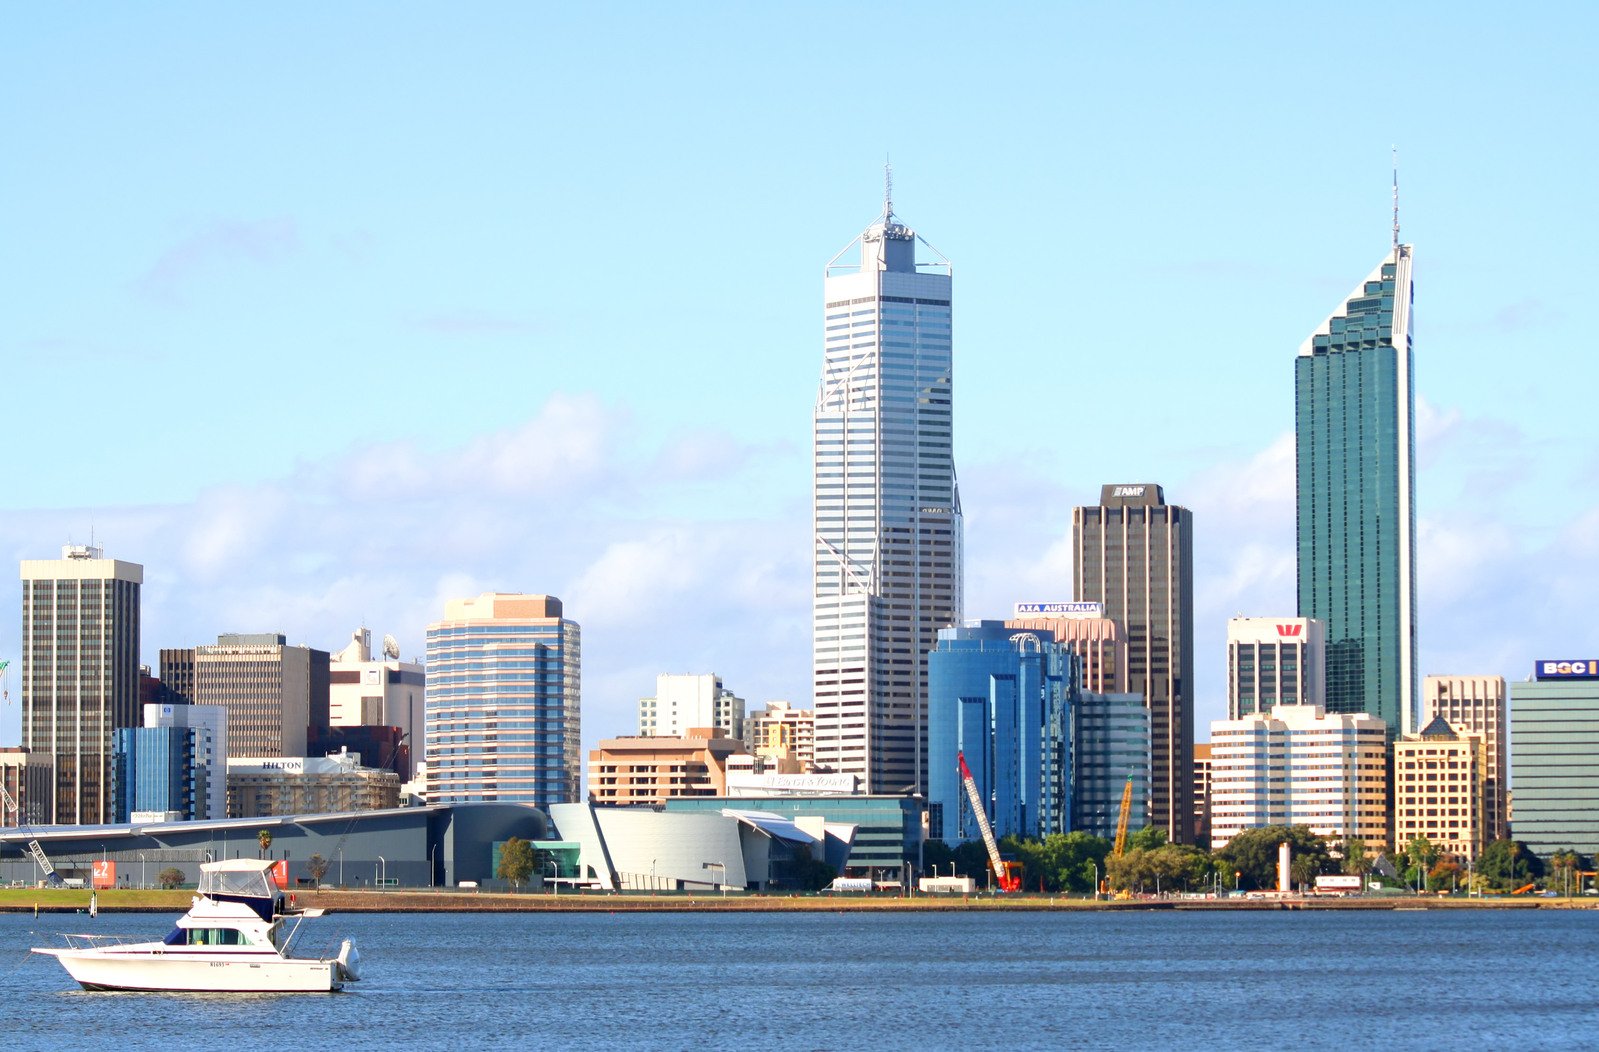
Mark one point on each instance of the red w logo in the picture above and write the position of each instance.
(1289, 630)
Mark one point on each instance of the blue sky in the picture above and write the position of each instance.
(328, 315)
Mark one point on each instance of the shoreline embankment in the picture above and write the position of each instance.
(461, 901)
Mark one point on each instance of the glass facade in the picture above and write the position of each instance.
(503, 697)
(1111, 743)
(887, 568)
(1554, 764)
(159, 769)
(1003, 699)
(1135, 555)
(1354, 427)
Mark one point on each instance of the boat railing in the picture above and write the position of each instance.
(86, 941)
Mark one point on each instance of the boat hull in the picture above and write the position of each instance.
(198, 972)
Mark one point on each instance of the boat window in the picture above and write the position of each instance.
(174, 938)
(215, 937)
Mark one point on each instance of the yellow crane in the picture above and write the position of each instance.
(1121, 820)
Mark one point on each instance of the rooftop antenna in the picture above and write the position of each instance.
(888, 189)
(1396, 202)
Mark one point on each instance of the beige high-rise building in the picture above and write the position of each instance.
(782, 732)
(1202, 787)
(1476, 705)
(273, 693)
(80, 674)
(504, 701)
(655, 769)
(1093, 637)
(1299, 765)
(1438, 790)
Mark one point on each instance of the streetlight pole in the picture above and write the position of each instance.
(383, 872)
(555, 883)
(142, 884)
(1096, 880)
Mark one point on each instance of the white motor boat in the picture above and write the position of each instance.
(235, 938)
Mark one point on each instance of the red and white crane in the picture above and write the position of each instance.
(1004, 871)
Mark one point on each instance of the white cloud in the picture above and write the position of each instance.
(568, 504)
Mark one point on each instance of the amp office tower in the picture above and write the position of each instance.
(1354, 431)
(1135, 554)
(80, 674)
(887, 556)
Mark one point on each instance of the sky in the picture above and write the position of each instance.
(328, 313)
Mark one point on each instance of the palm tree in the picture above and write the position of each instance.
(265, 837)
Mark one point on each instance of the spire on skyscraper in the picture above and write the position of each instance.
(888, 189)
(1396, 202)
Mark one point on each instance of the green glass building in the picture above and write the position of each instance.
(1554, 757)
(1354, 430)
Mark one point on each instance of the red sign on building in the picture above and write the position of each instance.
(1289, 630)
(103, 874)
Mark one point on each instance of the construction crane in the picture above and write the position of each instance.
(26, 830)
(1005, 871)
(1121, 820)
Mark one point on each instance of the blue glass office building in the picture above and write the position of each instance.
(1354, 428)
(158, 769)
(1002, 697)
(1112, 735)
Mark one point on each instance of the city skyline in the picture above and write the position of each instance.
(238, 253)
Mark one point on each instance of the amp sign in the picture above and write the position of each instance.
(1588, 669)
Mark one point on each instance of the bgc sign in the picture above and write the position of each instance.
(1588, 669)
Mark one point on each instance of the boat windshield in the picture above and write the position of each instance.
(241, 883)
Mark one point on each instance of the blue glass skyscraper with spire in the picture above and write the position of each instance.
(1355, 469)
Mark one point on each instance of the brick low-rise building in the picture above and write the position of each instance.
(654, 769)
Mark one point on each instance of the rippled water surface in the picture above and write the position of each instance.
(1509, 980)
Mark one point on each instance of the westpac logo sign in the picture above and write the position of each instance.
(1289, 631)
(1585, 669)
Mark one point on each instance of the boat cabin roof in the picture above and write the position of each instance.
(238, 878)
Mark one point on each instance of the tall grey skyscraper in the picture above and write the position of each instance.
(1355, 469)
(887, 557)
(80, 673)
(1135, 554)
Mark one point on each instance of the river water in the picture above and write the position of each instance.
(1500, 979)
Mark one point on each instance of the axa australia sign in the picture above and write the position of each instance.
(1582, 669)
(1072, 610)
